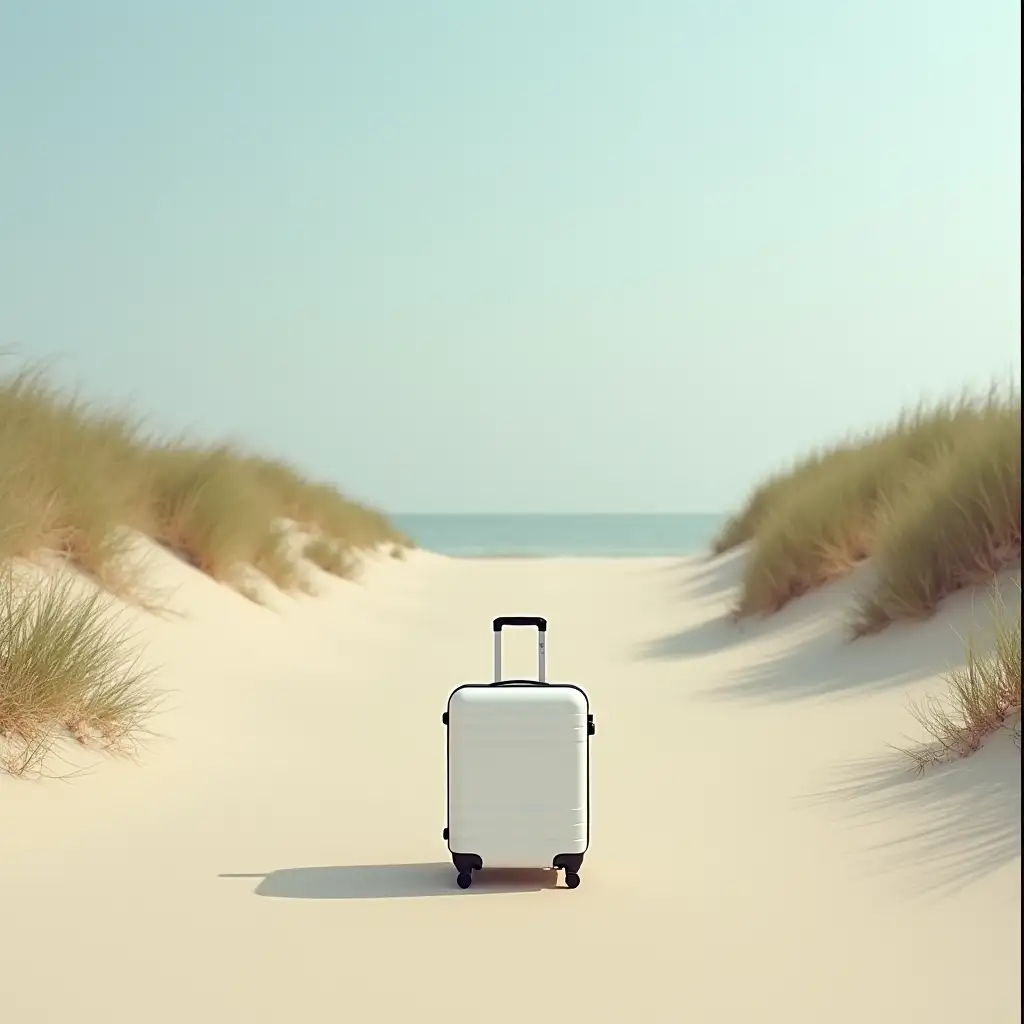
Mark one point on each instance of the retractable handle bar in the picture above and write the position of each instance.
(521, 620)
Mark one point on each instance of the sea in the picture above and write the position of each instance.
(464, 535)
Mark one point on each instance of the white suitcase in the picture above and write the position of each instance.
(518, 770)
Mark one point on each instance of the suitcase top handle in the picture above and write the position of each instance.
(520, 620)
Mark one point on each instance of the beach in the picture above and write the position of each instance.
(758, 850)
(332, 333)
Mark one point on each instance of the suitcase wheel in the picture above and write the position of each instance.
(464, 880)
(572, 879)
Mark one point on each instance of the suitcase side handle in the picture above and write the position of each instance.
(522, 620)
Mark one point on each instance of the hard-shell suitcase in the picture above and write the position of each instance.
(518, 770)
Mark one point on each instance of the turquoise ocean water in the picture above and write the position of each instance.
(607, 536)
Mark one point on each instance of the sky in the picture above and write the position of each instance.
(471, 256)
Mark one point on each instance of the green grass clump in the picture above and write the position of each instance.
(66, 668)
(934, 499)
(980, 698)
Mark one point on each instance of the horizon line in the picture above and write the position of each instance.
(549, 514)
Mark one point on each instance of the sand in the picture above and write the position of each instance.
(757, 853)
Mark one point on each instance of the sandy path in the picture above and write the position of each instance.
(279, 857)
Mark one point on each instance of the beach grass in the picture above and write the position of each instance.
(67, 668)
(934, 500)
(981, 697)
(72, 477)
(77, 481)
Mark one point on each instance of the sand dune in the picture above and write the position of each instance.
(758, 853)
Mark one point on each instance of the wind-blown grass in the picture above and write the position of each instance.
(934, 500)
(981, 696)
(73, 476)
(958, 527)
(66, 668)
(76, 480)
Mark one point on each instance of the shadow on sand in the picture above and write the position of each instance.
(808, 651)
(706, 587)
(947, 827)
(711, 577)
(955, 823)
(809, 629)
(392, 881)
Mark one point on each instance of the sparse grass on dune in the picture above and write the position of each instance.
(66, 668)
(934, 499)
(981, 696)
(75, 480)
(72, 476)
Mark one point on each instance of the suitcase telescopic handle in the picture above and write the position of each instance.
(541, 626)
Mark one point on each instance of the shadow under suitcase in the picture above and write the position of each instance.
(391, 881)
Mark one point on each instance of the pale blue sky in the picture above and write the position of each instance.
(517, 256)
